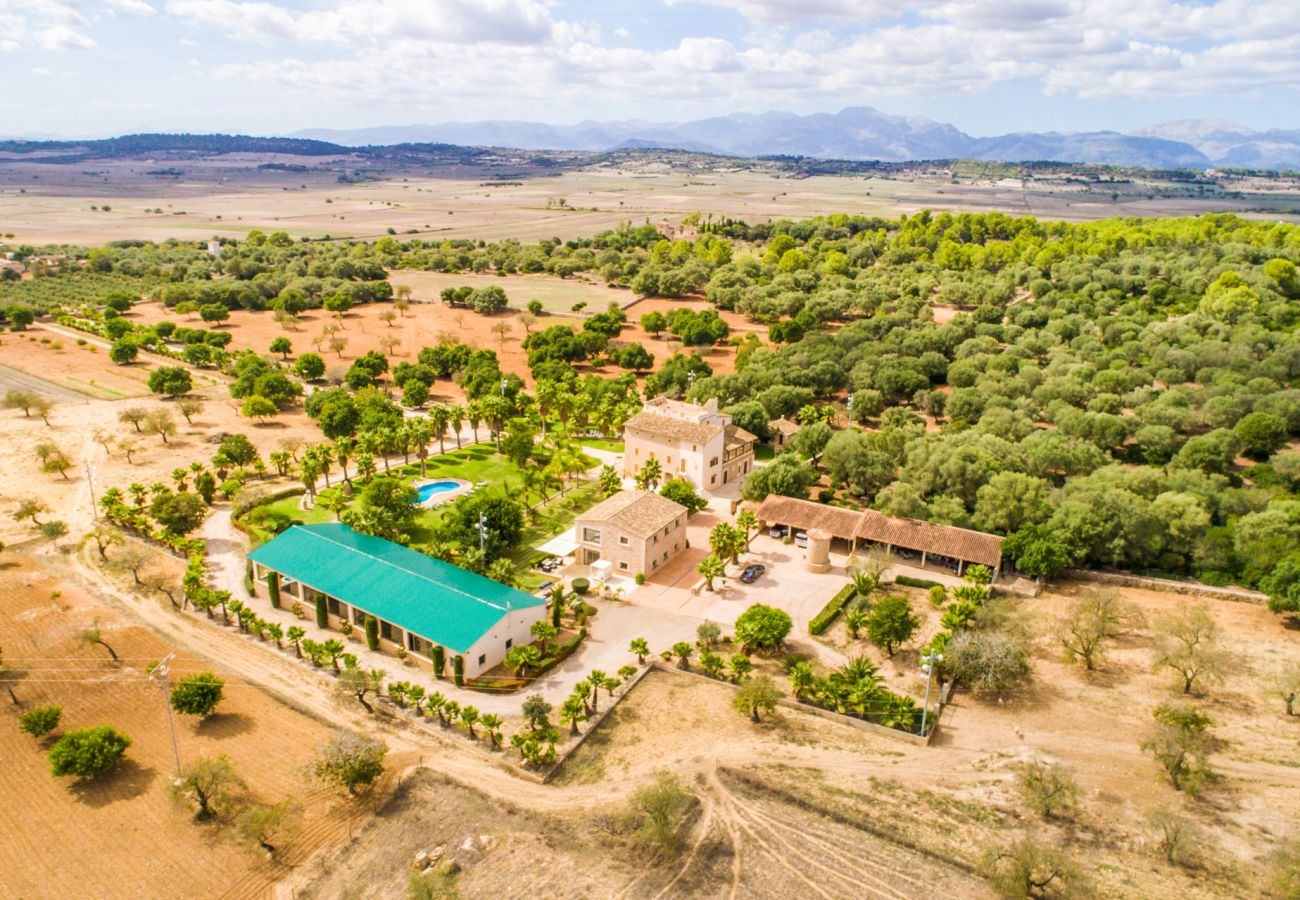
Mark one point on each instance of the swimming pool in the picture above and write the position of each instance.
(431, 488)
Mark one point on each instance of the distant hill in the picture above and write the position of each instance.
(860, 133)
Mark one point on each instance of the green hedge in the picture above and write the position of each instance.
(823, 619)
(909, 581)
(561, 653)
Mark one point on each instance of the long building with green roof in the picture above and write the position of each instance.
(419, 602)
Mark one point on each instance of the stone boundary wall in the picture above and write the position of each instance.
(1240, 595)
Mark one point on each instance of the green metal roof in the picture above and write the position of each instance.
(436, 600)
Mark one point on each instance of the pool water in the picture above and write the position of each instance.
(428, 490)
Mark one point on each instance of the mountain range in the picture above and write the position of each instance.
(863, 133)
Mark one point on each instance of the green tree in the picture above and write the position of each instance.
(179, 513)
(1188, 645)
(267, 826)
(170, 381)
(350, 761)
(198, 694)
(755, 695)
(210, 784)
(683, 493)
(40, 720)
(255, 407)
(309, 366)
(88, 752)
(891, 623)
(282, 346)
(657, 813)
(764, 627)
(1181, 743)
(1092, 621)
(124, 351)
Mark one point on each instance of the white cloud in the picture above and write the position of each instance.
(51, 24)
(62, 37)
(134, 7)
(622, 32)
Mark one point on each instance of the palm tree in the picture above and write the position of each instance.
(711, 663)
(456, 419)
(415, 696)
(582, 691)
(650, 474)
(726, 541)
(437, 704)
(492, 724)
(710, 567)
(439, 416)
(740, 666)
(334, 501)
(275, 631)
(683, 651)
(468, 716)
(747, 522)
(573, 711)
(641, 648)
(420, 435)
(295, 634)
(854, 620)
(474, 412)
(344, 447)
(610, 483)
(520, 659)
(334, 648)
(597, 680)
(801, 678)
(451, 711)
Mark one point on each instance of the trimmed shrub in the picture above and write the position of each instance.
(458, 671)
(372, 632)
(820, 622)
(581, 585)
(439, 661)
(273, 588)
(909, 581)
(561, 653)
(322, 613)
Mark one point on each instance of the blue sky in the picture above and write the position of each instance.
(98, 67)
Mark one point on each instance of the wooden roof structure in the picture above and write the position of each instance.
(869, 525)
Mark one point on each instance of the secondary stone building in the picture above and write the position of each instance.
(420, 602)
(690, 441)
(637, 532)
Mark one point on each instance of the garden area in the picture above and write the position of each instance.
(476, 464)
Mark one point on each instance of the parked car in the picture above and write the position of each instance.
(801, 538)
(777, 531)
(752, 573)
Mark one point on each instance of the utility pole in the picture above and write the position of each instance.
(482, 532)
(927, 666)
(850, 422)
(159, 677)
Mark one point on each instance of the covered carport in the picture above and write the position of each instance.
(806, 516)
(937, 544)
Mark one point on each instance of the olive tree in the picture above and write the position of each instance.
(88, 752)
(350, 761)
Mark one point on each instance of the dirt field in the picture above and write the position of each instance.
(557, 295)
(76, 418)
(229, 196)
(124, 827)
(426, 323)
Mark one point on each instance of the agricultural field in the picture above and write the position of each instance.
(43, 203)
(140, 842)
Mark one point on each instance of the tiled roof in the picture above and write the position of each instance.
(640, 513)
(869, 525)
(734, 435)
(784, 426)
(675, 429)
(434, 599)
(804, 515)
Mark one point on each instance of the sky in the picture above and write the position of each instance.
(86, 68)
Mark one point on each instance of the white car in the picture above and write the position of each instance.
(801, 538)
(777, 531)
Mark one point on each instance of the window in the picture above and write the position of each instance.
(591, 535)
(417, 644)
(623, 566)
(713, 479)
(665, 556)
(622, 540)
(510, 642)
(676, 546)
(713, 462)
(482, 659)
(654, 564)
(332, 605)
(656, 540)
(386, 631)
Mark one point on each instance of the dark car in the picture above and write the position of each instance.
(752, 573)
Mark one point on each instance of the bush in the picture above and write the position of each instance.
(938, 596)
(820, 622)
(88, 752)
(990, 662)
(909, 581)
(372, 632)
(581, 585)
(561, 653)
(640, 578)
(763, 626)
(40, 721)
(197, 695)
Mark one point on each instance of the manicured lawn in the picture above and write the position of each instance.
(476, 464)
(763, 453)
(602, 444)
